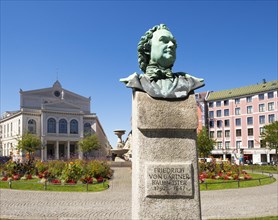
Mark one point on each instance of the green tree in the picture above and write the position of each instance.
(88, 144)
(29, 143)
(270, 137)
(204, 143)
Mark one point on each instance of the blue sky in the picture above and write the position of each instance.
(90, 45)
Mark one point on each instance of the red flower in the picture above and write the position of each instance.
(29, 177)
(235, 177)
(16, 177)
(100, 179)
(56, 181)
(247, 177)
(5, 178)
(71, 182)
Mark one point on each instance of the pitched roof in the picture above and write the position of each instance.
(243, 91)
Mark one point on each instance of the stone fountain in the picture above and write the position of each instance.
(119, 151)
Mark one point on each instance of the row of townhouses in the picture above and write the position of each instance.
(59, 117)
(236, 118)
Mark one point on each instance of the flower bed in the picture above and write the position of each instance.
(222, 171)
(58, 172)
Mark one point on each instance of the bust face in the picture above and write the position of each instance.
(163, 49)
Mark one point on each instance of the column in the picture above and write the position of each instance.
(44, 151)
(68, 148)
(80, 153)
(268, 156)
(57, 150)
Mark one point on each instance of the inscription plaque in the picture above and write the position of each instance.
(168, 180)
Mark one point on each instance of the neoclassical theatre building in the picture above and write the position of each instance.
(59, 117)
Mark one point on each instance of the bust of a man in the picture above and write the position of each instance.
(156, 57)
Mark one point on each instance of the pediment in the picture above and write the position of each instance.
(62, 105)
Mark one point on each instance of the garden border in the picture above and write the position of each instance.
(46, 183)
(270, 175)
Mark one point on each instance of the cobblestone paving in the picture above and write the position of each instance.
(115, 203)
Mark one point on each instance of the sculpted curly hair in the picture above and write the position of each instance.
(144, 46)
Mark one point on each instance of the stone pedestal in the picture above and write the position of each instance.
(164, 165)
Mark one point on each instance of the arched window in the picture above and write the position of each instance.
(19, 126)
(87, 129)
(74, 126)
(51, 125)
(32, 126)
(63, 126)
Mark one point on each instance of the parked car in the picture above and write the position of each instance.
(4, 159)
(262, 163)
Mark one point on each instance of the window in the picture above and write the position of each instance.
(211, 104)
(227, 123)
(87, 129)
(261, 96)
(249, 109)
(227, 145)
(63, 126)
(238, 144)
(270, 95)
(227, 133)
(219, 134)
(211, 123)
(51, 125)
(11, 129)
(250, 132)
(211, 134)
(238, 132)
(238, 122)
(271, 118)
(218, 113)
(249, 120)
(211, 114)
(32, 126)
(262, 119)
(219, 123)
(237, 111)
(226, 112)
(226, 102)
(250, 144)
(262, 130)
(262, 143)
(237, 101)
(249, 99)
(271, 106)
(74, 126)
(219, 145)
(261, 108)
(218, 103)
(19, 127)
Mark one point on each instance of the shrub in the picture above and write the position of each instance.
(72, 172)
(55, 169)
(99, 169)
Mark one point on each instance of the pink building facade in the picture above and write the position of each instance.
(236, 120)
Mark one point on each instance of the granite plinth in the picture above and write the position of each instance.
(165, 171)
